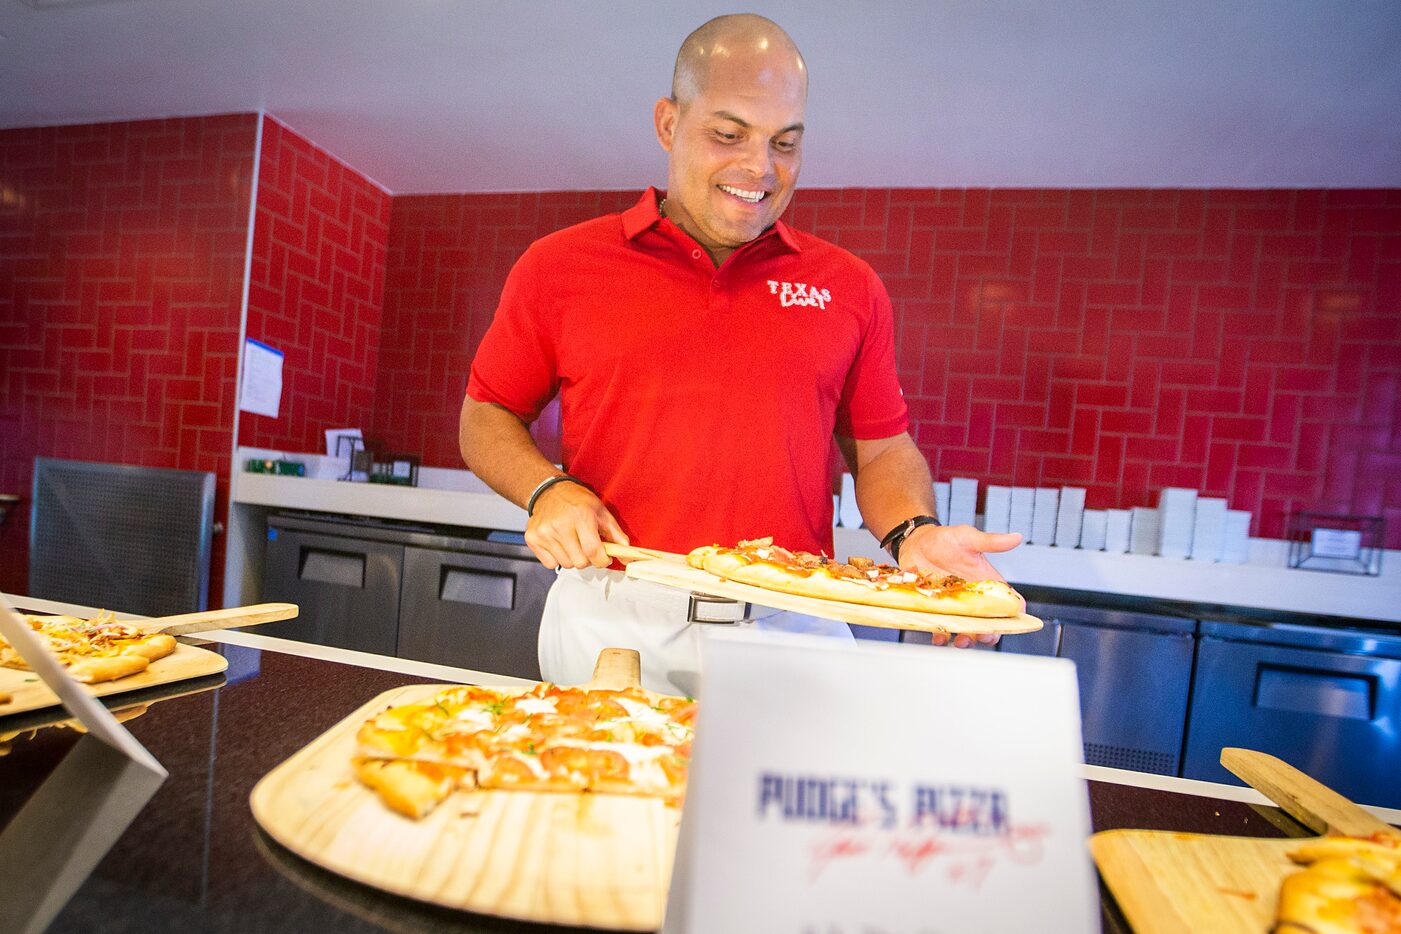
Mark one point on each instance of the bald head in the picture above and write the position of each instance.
(735, 40)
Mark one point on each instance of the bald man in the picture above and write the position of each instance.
(705, 355)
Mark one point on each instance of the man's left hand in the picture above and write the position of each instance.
(959, 550)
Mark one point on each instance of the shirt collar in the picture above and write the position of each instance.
(644, 215)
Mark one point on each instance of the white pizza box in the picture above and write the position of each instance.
(1021, 507)
(1177, 510)
(1208, 529)
(1093, 530)
(1070, 516)
(1043, 515)
(1235, 537)
(849, 515)
(997, 509)
(963, 500)
(1143, 531)
(1116, 530)
(941, 502)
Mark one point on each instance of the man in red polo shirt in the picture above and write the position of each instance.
(705, 354)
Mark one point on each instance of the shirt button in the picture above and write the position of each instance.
(695, 254)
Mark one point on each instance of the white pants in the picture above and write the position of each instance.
(591, 610)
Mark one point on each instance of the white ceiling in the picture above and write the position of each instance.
(459, 95)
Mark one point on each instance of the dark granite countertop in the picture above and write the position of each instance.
(195, 860)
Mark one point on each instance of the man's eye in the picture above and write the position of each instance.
(726, 137)
(785, 145)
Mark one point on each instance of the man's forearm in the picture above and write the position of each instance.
(892, 484)
(497, 447)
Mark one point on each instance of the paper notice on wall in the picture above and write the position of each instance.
(261, 392)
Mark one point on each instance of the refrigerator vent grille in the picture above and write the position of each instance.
(130, 539)
(1127, 757)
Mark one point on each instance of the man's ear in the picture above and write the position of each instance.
(664, 117)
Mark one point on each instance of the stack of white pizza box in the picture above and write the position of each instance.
(1182, 525)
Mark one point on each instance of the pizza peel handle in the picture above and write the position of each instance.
(635, 553)
(616, 669)
(1308, 801)
(208, 620)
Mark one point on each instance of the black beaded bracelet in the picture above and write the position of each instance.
(546, 484)
(896, 536)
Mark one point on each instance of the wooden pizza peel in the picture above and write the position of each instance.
(585, 859)
(1175, 883)
(664, 567)
(22, 691)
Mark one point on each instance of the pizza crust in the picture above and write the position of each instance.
(409, 788)
(982, 599)
(108, 668)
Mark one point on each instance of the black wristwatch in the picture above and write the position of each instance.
(896, 536)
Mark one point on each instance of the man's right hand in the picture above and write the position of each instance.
(569, 526)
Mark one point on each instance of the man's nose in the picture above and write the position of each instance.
(757, 159)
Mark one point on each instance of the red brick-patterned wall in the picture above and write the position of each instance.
(121, 272)
(448, 258)
(1245, 343)
(316, 290)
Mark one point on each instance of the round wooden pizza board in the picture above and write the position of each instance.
(579, 859)
(680, 574)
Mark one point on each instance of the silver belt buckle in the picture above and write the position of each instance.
(706, 608)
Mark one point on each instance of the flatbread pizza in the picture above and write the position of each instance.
(93, 650)
(858, 580)
(1352, 885)
(547, 738)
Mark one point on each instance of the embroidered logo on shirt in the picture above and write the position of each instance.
(799, 293)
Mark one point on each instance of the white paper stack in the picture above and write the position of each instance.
(1023, 502)
(1143, 531)
(1093, 531)
(1070, 516)
(1235, 537)
(1177, 511)
(997, 509)
(1208, 529)
(1043, 515)
(849, 514)
(941, 502)
(1116, 530)
(963, 501)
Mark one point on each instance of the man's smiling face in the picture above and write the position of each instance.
(735, 147)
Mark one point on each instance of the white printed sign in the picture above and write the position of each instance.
(1337, 543)
(882, 789)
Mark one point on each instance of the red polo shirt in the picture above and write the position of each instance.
(699, 402)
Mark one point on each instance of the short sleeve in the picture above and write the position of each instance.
(514, 366)
(872, 405)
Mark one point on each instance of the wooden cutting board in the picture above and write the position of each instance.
(1175, 883)
(580, 859)
(682, 575)
(26, 692)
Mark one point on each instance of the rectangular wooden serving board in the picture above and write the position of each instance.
(578, 859)
(27, 692)
(682, 575)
